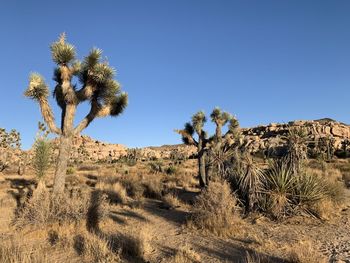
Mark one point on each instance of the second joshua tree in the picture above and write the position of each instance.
(97, 86)
(203, 143)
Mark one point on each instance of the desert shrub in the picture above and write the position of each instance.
(185, 254)
(133, 186)
(70, 171)
(153, 187)
(171, 169)
(170, 200)
(94, 248)
(116, 192)
(215, 209)
(156, 167)
(45, 208)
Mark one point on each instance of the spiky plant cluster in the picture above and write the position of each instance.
(277, 191)
(212, 152)
(42, 152)
(97, 86)
(288, 194)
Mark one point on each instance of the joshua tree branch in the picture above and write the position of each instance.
(88, 118)
(189, 138)
(48, 115)
(85, 93)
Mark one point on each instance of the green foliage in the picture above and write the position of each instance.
(247, 180)
(70, 171)
(62, 52)
(42, 151)
(42, 155)
(198, 121)
(37, 87)
(171, 169)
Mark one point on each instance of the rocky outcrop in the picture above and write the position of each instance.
(85, 148)
(257, 140)
(264, 139)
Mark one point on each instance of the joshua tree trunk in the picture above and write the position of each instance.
(202, 169)
(62, 162)
(64, 148)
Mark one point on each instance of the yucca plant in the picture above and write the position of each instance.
(250, 183)
(98, 87)
(279, 189)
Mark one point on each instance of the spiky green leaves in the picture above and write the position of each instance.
(62, 53)
(220, 117)
(37, 87)
(189, 128)
(119, 104)
(233, 125)
(198, 121)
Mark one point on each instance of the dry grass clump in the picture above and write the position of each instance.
(305, 252)
(137, 243)
(45, 208)
(170, 200)
(116, 192)
(214, 210)
(93, 248)
(185, 254)
(153, 187)
(133, 186)
(14, 251)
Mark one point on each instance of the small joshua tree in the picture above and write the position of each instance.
(42, 153)
(296, 149)
(203, 143)
(10, 143)
(97, 86)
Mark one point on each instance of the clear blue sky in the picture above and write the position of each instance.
(264, 61)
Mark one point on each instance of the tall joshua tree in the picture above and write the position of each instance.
(97, 86)
(203, 143)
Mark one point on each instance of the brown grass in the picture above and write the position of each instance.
(186, 254)
(16, 250)
(116, 192)
(44, 208)
(305, 252)
(137, 243)
(215, 210)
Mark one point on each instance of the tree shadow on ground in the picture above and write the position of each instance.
(174, 215)
(116, 242)
(228, 251)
